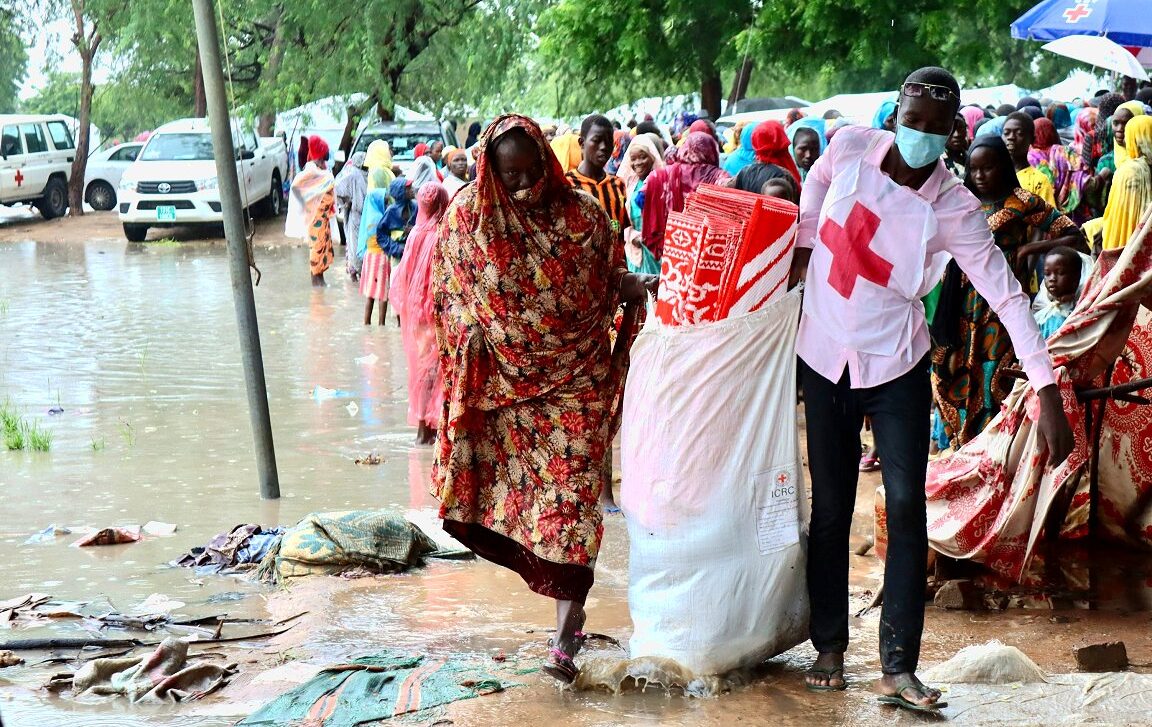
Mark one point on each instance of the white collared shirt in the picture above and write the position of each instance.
(878, 248)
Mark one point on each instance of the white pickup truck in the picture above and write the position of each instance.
(173, 180)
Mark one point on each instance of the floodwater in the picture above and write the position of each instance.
(137, 344)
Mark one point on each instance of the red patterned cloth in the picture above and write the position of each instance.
(989, 501)
(525, 292)
(375, 274)
(726, 254)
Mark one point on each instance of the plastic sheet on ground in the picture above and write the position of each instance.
(996, 684)
(375, 689)
(713, 493)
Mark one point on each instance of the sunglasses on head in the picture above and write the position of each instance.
(936, 93)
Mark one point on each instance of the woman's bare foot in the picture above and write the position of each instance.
(318, 281)
(827, 674)
(908, 687)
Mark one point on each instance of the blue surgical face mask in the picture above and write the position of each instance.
(919, 148)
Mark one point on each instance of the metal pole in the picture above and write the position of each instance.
(208, 39)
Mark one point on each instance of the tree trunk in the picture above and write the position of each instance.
(740, 83)
(80, 162)
(710, 90)
(355, 113)
(86, 44)
(267, 121)
(199, 100)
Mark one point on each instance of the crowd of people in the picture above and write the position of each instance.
(519, 264)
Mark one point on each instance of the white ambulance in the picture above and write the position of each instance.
(36, 154)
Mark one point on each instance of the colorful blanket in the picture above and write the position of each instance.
(372, 689)
(334, 542)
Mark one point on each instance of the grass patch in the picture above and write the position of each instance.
(21, 434)
(99, 445)
(39, 440)
(127, 433)
(13, 425)
(165, 242)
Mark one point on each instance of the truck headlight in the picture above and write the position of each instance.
(127, 185)
(203, 185)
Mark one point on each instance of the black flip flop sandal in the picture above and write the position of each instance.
(830, 673)
(898, 700)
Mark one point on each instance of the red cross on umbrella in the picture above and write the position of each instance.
(852, 257)
(1077, 13)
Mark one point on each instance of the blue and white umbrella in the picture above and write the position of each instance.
(1125, 22)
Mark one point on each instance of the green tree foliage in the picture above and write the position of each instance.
(486, 65)
(610, 47)
(60, 95)
(868, 46)
(13, 61)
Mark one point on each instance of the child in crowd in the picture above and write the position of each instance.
(1062, 271)
(782, 188)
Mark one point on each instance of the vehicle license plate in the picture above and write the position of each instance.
(166, 213)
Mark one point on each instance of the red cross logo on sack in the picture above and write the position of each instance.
(852, 255)
(19, 177)
(1077, 13)
(782, 478)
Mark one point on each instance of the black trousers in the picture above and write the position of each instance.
(835, 413)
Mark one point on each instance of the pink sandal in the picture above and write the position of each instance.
(559, 665)
(869, 464)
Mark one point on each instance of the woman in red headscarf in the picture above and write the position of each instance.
(697, 162)
(411, 296)
(311, 208)
(771, 144)
(526, 278)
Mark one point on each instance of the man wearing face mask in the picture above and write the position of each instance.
(879, 216)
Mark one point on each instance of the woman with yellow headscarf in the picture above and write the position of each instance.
(379, 165)
(568, 151)
(1131, 185)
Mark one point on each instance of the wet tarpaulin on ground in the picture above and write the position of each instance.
(338, 542)
(165, 675)
(377, 688)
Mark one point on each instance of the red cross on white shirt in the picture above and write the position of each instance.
(852, 257)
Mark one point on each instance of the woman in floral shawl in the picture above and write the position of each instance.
(697, 162)
(411, 297)
(312, 208)
(1049, 156)
(526, 279)
(972, 348)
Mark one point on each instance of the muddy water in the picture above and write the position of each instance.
(137, 344)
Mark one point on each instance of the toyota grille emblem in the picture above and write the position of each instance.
(163, 188)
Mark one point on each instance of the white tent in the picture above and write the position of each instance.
(1079, 84)
(858, 108)
(992, 95)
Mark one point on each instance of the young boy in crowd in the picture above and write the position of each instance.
(1063, 267)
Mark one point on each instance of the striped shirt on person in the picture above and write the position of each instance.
(611, 195)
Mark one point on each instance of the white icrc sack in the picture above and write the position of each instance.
(713, 491)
